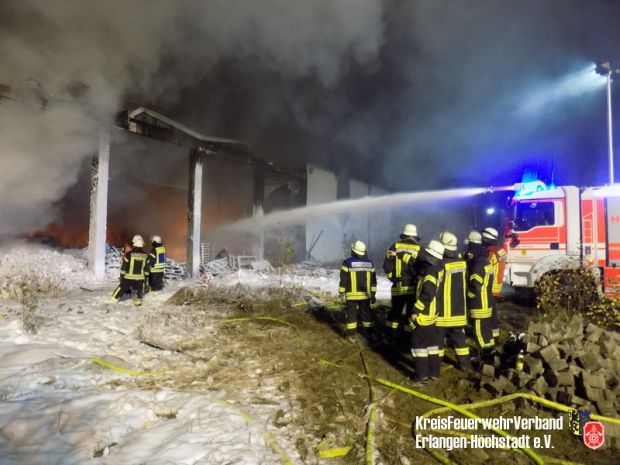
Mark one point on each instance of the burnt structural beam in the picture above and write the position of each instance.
(145, 122)
(148, 123)
(99, 205)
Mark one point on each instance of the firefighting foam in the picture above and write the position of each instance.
(300, 215)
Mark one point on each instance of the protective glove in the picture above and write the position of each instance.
(373, 299)
(341, 298)
(412, 322)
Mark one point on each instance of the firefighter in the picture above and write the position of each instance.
(402, 278)
(496, 255)
(358, 286)
(451, 302)
(155, 264)
(479, 293)
(132, 272)
(424, 349)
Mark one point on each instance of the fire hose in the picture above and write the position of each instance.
(463, 410)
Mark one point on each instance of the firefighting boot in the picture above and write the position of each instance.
(464, 363)
(137, 302)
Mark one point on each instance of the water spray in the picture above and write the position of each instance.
(303, 214)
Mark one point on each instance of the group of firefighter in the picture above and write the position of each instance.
(438, 294)
(141, 270)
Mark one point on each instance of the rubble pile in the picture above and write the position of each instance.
(174, 270)
(568, 364)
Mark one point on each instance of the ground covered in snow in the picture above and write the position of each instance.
(247, 370)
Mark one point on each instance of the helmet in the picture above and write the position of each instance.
(435, 248)
(155, 239)
(137, 241)
(448, 240)
(359, 248)
(410, 230)
(490, 235)
(474, 237)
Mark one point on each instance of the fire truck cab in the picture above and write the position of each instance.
(563, 227)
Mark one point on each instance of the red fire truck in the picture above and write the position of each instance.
(563, 227)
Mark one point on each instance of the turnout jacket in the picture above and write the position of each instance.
(451, 295)
(497, 257)
(429, 271)
(358, 279)
(480, 299)
(156, 261)
(133, 265)
(399, 273)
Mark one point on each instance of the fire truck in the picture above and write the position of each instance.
(554, 228)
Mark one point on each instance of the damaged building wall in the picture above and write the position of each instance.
(324, 237)
(328, 239)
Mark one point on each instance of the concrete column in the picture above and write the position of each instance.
(99, 205)
(194, 213)
(257, 211)
(259, 245)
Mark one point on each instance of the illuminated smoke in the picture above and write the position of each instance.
(574, 85)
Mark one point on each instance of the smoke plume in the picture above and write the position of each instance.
(410, 95)
(68, 66)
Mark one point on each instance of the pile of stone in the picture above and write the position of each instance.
(574, 364)
(172, 272)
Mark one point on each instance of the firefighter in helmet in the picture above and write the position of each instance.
(424, 349)
(496, 255)
(358, 286)
(479, 293)
(451, 304)
(155, 264)
(402, 278)
(132, 272)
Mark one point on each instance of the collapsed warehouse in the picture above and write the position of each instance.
(149, 191)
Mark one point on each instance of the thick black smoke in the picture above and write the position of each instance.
(461, 93)
(409, 94)
(68, 66)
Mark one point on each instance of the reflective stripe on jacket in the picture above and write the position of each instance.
(497, 258)
(451, 296)
(400, 273)
(133, 266)
(358, 279)
(430, 276)
(157, 260)
(480, 288)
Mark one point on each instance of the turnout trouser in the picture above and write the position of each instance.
(425, 352)
(494, 321)
(358, 309)
(482, 329)
(395, 318)
(156, 281)
(129, 285)
(458, 341)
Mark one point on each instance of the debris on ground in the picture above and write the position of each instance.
(575, 364)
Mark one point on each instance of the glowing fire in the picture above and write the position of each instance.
(163, 211)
